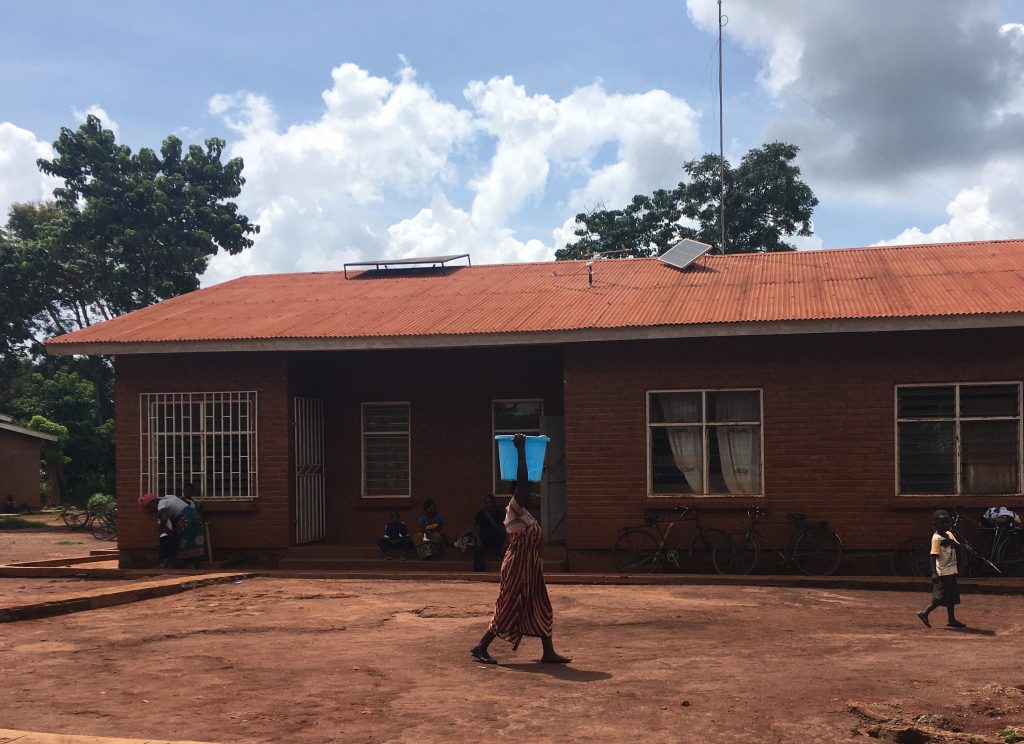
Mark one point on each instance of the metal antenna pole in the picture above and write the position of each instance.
(721, 128)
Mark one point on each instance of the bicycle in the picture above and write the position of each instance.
(814, 548)
(645, 548)
(1004, 554)
(104, 525)
(73, 517)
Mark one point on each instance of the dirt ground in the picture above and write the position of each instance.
(23, 591)
(53, 541)
(354, 661)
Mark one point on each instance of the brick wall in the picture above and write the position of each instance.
(828, 422)
(450, 392)
(263, 526)
(828, 426)
(19, 468)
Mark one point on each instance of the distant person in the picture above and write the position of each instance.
(11, 508)
(431, 525)
(945, 592)
(488, 533)
(396, 535)
(522, 607)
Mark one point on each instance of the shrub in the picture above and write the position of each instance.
(100, 503)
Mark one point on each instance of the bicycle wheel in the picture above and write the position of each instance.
(73, 517)
(636, 551)
(911, 558)
(736, 553)
(1011, 556)
(817, 551)
(697, 557)
(104, 527)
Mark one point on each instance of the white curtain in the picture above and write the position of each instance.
(685, 442)
(739, 447)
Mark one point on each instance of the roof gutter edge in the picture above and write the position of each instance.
(630, 333)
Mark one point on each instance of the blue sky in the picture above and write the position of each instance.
(407, 128)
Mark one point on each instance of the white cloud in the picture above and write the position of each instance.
(20, 178)
(895, 107)
(97, 111)
(351, 183)
(989, 210)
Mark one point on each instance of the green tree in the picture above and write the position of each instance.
(52, 453)
(125, 230)
(765, 200)
(137, 228)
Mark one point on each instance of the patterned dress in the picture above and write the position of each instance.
(522, 607)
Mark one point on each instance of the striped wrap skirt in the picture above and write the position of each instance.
(523, 607)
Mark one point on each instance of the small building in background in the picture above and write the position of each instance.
(19, 462)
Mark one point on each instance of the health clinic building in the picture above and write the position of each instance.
(863, 386)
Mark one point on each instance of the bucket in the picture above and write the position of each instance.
(508, 459)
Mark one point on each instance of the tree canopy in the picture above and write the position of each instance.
(765, 200)
(123, 231)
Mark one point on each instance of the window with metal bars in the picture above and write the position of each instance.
(207, 440)
(958, 439)
(386, 450)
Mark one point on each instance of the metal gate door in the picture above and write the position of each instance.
(553, 487)
(309, 470)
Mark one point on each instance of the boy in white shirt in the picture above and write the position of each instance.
(943, 558)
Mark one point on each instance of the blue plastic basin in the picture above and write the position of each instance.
(508, 460)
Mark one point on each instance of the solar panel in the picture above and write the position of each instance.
(684, 253)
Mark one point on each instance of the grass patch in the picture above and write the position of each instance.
(68, 542)
(17, 523)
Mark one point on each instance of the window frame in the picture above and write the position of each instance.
(705, 450)
(956, 418)
(149, 476)
(362, 448)
(496, 482)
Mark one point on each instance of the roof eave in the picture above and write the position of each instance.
(630, 333)
(27, 432)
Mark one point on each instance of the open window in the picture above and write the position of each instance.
(704, 443)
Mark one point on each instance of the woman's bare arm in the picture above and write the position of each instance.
(522, 492)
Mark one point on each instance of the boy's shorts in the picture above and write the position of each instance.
(945, 591)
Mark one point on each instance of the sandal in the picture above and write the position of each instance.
(481, 655)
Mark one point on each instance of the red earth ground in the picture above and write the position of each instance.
(43, 543)
(357, 661)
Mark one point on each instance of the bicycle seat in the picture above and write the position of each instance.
(797, 517)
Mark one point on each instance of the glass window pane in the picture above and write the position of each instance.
(926, 402)
(989, 400)
(677, 460)
(517, 416)
(927, 457)
(676, 408)
(386, 418)
(386, 464)
(734, 405)
(734, 459)
(989, 458)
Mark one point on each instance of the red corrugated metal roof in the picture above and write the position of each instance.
(886, 282)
